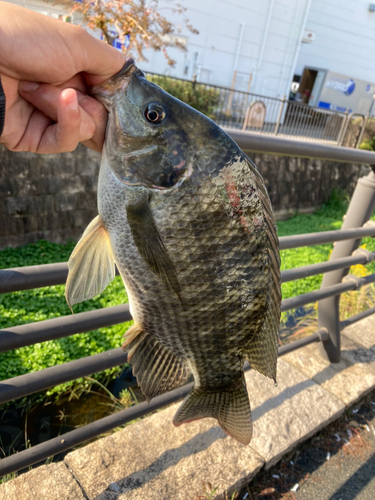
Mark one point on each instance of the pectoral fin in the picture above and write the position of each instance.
(147, 238)
(91, 265)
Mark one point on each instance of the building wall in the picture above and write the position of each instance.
(345, 38)
(271, 32)
(53, 197)
(269, 47)
(47, 9)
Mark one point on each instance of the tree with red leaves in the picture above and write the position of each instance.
(137, 25)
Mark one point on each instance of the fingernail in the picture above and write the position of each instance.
(73, 103)
(29, 86)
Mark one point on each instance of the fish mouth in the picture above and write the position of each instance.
(118, 81)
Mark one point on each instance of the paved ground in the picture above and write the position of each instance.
(153, 460)
(337, 464)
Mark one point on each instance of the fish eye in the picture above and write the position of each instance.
(154, 113)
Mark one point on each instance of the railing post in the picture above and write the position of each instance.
(362, 133)
(359, 212)
(344, 128)
(280, 115)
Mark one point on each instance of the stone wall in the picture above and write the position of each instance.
(50, 197)
(303, 184)
(53, 197)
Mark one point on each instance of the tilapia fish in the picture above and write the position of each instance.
(186, 218)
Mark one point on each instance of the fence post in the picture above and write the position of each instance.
(280, 115)
(344, 128)
(359, 212)
(194, 81)
(361, 134)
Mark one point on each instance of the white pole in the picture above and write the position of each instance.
(263, 46)
(242, 28)
(298, 48)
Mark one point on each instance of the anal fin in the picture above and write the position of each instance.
(91, 264)
(156, 368)
(231, 408)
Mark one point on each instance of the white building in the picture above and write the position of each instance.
(261, 45)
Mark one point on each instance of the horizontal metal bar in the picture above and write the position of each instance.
(262, 143)
(303, 240)
(323, 267)
(57, 328)
(24, 385)
(315, 296)
(324, 293)
(42, 331)
(318, 336)
(27, 278)
(73, 438)
(356, 317)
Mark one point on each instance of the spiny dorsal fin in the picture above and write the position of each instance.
(91, 265)
(157, 369)
(147, 238)
(231, 408)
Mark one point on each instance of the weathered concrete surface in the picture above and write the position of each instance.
(363, 332)
(52, 482)
(169, 462)
(152, 459)
(289, 413)
(348, 380)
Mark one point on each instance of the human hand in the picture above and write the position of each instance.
(68, 61)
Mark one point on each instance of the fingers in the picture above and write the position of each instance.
(44, 136)
(66, 133)
(46, 97)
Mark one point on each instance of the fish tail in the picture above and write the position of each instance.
(231, 408)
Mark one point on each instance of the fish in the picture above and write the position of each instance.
(185, 217)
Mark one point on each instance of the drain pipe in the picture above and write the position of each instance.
(298, 48)
(264, 40)
(242, 29)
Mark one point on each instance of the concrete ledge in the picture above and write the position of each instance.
(152, 459)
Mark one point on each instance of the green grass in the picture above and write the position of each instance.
(46, 303)
(328, 218)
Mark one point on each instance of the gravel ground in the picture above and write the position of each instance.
(336, 464)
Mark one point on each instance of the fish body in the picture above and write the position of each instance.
(186, 218)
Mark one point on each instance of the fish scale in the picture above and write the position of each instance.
(188, 222)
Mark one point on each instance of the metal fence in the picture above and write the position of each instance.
(268, 115)
(345, 254)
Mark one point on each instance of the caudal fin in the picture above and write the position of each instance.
(231, 408)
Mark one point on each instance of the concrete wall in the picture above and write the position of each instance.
(50, 197)
(53, 197)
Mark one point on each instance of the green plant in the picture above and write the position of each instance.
(205, 100)
(368, 144)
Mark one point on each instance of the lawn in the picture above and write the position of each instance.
(46, 303)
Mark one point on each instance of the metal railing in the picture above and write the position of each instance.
(250, 112)
(345, 254)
